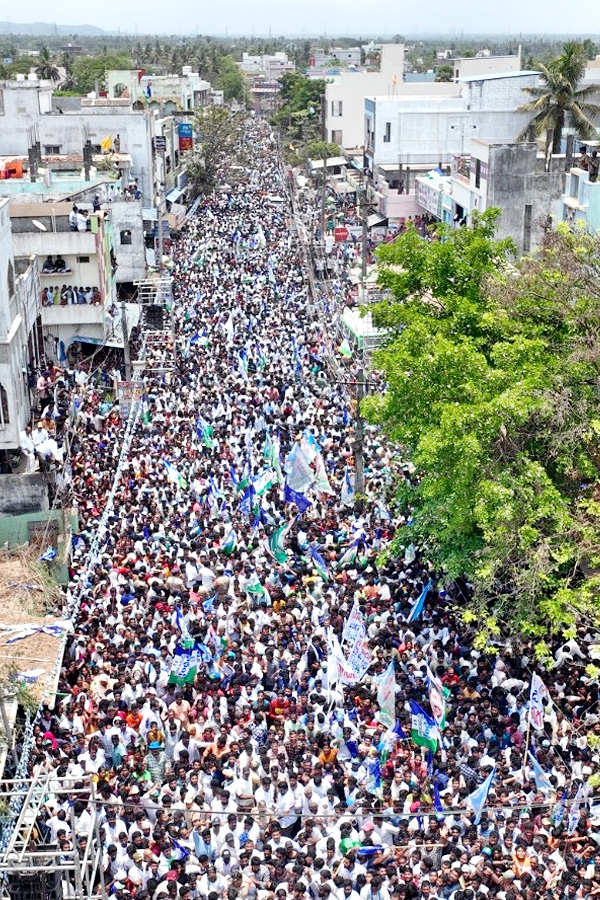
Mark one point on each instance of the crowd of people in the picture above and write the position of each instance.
(199, 692)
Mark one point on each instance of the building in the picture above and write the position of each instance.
(270, 67)
(581, 199)
(427, 129)
(61, 127)
(21, 346)
(510, 177)
(347, 56)
(78, 304)
(166, 93)
(345, 94)
(473, 67)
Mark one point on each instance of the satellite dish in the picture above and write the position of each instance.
(39, 225)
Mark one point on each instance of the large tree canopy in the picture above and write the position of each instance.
(493, 374)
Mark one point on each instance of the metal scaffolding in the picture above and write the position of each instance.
(32, 866)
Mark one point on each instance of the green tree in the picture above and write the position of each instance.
(215, 137)
(493, 374)
(559, 101)
(444, 73)
(89, 72)
(46, 68)
(230, 79)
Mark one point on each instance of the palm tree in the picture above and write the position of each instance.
(559, 101)
(46, 70)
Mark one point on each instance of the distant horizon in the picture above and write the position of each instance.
(312, 19)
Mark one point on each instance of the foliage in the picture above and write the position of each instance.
(215, 132)
(230, 79)
(299, 115)
(493, 374)
(559, 101)
(321, 149)
(444, 73)
(89, 72)
(46, 69)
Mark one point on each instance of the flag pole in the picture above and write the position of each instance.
(527, 740)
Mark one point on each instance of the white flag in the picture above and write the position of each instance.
(386, 697)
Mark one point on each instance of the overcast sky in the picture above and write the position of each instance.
(335, 17)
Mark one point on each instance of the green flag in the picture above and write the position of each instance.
(274, 545)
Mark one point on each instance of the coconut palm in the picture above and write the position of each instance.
(46, 70)
(559, 101)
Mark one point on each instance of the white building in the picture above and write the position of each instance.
(168, 93)
(345, 95)
(20, 351)
(349, 56)
(26, 108)
(423, 131)
(269, 66)
(90, 314)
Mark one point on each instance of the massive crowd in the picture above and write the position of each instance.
(198, 687)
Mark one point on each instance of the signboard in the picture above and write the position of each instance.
(186, 136)
(341, 233)
(125, 397)
(160, 144)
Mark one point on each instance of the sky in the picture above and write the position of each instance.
(335, 17)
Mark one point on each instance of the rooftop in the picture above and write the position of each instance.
(494, 76)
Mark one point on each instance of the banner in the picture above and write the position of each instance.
(359, 658)
(354, 625)
(536, 706)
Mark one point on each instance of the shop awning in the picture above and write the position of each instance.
(174, 195)
(377, 220)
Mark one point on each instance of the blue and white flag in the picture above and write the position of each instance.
(243, 364)
(299, 474)
(542, 782)
(49, 555)
(291, 496)
(417, 610)
(319, 564)
(478, 798)
(181, 624)
(348, 492)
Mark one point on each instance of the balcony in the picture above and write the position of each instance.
(61, 316)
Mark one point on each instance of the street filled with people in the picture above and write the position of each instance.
(273, 699)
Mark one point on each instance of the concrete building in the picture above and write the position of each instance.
(79, 303)
(473, 67)
(167, 93)
(348, 56)
(510, 177)
(428, 129)
(345, 95)
(20, 333)
(63, 127)
(581, 200)
(268, 66)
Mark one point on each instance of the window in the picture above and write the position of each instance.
(51, 149)
(1, 103)
(83, 259)
(336, 107)
(387, 135)
(336, 137)
(126, 236)
(477, 173)
(4, 416)
(10, 278)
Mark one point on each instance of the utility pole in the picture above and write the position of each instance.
(324, 184)
(365, 238)
(359, 457)
(160, 233)
(126, 347)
